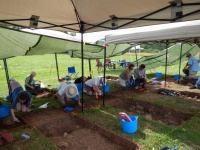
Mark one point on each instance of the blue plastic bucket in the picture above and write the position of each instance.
(105, 88)
(130, 127)
(177, 77)
(158, 74)
(79, 86)
(4, 111)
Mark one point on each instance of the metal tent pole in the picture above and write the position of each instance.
(7, 75)
(167, 43)
(90, 70)
(57, 66)
(180, 60)
(136, 56)
(82, 61)
(104, 73)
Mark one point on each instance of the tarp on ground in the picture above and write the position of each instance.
(96, 15)
(173, 56)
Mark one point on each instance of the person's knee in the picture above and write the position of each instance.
(89, 93)
(19, 106)
(24, 108)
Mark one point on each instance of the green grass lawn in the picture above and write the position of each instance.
(150, 135)
(45, 67)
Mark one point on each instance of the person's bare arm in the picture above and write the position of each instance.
(60, 98)
(13, 115)
(79, 100)
(188, 66)
(128, 75)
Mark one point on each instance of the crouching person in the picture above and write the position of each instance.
(20, 99)
(66, 92)
(21, 103)
(140, 76)
(92, 85)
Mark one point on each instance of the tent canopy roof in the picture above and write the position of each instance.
(96, 15)
(174, 54)
(39, 42)
(186, 32)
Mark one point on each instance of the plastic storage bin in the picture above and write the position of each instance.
(177, 77)
(4, 111)
(79, 87)
(105, 88)
(130, 127)
(158, 74)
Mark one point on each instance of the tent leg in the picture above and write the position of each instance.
(82, 61)
(167, 43)
(90, 70)
(104, 72)
(7, 75)
(136, 56)
(180, 60)
(57, 66)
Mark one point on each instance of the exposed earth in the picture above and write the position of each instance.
(66, 133)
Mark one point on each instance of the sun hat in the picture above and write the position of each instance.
(71, 91)
(33, 73)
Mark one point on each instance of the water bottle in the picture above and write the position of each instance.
(25, 137)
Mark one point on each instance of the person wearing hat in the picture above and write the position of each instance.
(30, 82)
(66, 92)
(192, 66)
(125, 75)
(92, 85)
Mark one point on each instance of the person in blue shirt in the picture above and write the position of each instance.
(20, 99)
(192, 65)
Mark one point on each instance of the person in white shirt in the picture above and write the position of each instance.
(92, 85)
(140, 76)
(67, 91)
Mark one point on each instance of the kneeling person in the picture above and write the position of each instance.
(92, 85)
(67, 91)
(21, 103)
(140, 76)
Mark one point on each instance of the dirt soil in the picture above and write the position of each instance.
(64, 131)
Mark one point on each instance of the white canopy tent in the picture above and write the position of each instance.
(89, 16)
(175, 32)
(185, 32)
